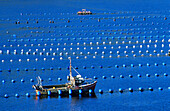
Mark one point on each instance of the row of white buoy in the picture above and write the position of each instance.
(96, 43)
(87, 53)
(105, 25)
(85, 57)
(86, 48)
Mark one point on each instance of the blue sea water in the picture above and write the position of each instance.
(118, 42)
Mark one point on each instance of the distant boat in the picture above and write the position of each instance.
(84, 12)
(76, 85)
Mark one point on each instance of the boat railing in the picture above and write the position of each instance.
(39, 81)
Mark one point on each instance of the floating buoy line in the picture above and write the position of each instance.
(100, 91)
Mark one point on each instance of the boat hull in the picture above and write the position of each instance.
(64, 89)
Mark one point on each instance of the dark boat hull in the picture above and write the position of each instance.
(64, 89)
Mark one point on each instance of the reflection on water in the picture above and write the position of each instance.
(73, 97)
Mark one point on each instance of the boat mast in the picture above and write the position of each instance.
(70, 70)
(72, 80)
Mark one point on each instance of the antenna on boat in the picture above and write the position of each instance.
(70, 67)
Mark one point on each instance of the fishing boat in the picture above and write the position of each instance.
(75, 85)
(84, 12)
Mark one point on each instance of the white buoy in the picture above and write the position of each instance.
(2, 60)
(88, 53)
(91, 43)
(97, 43)
(140, 46)
(154, 51)
(163, 40)
(20, 60)
(1, 52)
(98, 48)
(61, 58)
(61, 53)
(85, 57)
(36, 59)
(66, 53)
(8, 52)
(51, 49)
(163, 45)
(94, 56)
(28, 60)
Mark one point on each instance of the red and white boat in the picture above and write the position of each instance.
(84, 12)
(76, 85)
